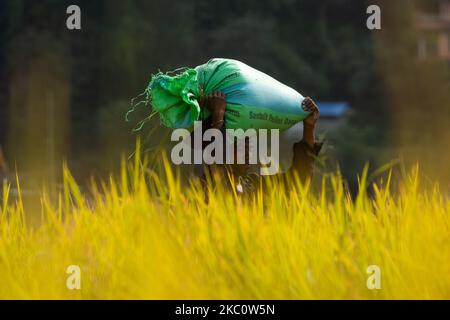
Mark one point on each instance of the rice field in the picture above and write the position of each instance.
(145, 235)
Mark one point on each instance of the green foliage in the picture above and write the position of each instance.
(321, 48)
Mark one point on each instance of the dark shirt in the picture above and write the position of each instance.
(302, 164)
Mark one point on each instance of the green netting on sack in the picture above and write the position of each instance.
(174, 98)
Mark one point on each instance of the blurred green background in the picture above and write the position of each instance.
(63, 94)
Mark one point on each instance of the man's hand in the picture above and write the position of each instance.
(309, 124)
(215, 103)
(310, 106)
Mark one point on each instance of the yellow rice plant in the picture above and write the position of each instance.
(146, 235)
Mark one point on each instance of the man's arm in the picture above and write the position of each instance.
(215, 103)
(306, 151)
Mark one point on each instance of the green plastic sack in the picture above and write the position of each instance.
(254, 99)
